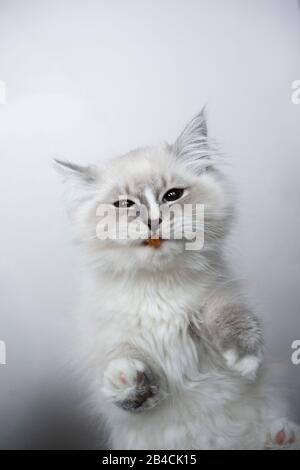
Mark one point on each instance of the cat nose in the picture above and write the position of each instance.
(153, 224)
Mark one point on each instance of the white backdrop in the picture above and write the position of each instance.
(91, 78)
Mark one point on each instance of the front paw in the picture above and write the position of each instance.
(282, 433)
(247, 366)
(130, 384)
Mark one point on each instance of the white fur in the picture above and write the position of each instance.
(203, 408)
(247, 366)
(137, 298)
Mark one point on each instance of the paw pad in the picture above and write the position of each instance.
(123, 379)
(282, 433)
(283, 438)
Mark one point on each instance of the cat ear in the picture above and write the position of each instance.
(86, 174)
(192, 145)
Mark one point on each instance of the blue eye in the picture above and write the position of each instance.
(173, 194)
(123, 203)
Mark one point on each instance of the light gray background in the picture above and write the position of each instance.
(92, 78)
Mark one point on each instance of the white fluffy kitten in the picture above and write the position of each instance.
(172, 351)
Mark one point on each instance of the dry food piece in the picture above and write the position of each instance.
(155, 242)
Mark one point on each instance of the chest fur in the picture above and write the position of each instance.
(155, 317)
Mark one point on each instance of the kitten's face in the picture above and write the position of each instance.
(155, 193)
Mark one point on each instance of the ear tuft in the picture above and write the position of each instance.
(192, 144)
(72, 170)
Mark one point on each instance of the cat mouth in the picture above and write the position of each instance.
(153, 242)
